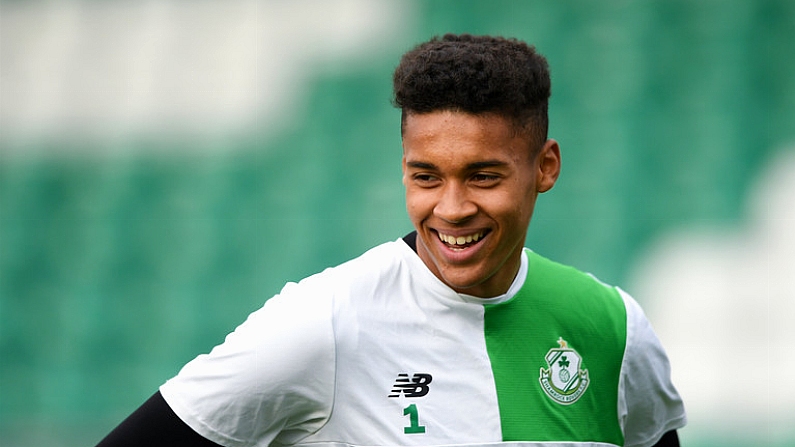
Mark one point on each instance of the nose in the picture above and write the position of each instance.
(454, 205)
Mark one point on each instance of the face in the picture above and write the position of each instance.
(471, 186)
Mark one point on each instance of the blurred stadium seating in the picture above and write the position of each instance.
(156, 185)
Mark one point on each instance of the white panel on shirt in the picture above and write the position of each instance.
(319, 361)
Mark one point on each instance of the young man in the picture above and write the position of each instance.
(455, 334)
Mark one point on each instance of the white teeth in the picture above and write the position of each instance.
(460, 240)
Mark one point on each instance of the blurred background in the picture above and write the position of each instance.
(166, 166)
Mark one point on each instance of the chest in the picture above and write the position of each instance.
(414, 377)
(430, 373)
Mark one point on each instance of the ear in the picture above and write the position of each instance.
(548, 165)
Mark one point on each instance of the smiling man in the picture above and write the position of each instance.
(471, 185)
(455, 334)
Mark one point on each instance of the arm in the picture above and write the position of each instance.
(154, 424)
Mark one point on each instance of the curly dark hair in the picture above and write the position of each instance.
(475, 74)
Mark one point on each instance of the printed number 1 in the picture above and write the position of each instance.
(414, 420)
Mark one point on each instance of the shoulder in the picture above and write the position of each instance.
(370, 265)
(563, 286)
(294, 328)
(540, 266)
(376, 269)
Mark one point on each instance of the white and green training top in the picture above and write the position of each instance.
(379, 352)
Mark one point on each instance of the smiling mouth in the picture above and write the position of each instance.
(461, 242)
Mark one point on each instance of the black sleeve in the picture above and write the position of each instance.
(154, 424)
(670, 439)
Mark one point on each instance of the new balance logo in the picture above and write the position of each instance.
(417, 386)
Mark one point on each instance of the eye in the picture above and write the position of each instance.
(485, 179)
(425, 180)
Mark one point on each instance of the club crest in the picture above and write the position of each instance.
(564, 381)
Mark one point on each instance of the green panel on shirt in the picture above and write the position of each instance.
(558, 303)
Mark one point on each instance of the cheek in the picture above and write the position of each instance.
(415, 206)
(514, 210)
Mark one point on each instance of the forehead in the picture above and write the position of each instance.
(414, 121)
(454, 134)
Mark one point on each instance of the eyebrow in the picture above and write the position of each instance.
(485, 164)
(421, 165)
(470, 167)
